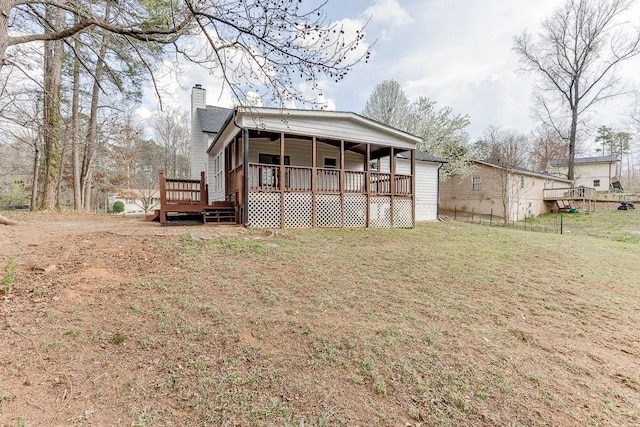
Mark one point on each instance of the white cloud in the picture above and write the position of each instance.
(388, 12)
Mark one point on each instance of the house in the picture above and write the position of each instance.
(512, 193)
(596, 172)
(305, 168)
(135, 200)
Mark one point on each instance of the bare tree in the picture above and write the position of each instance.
(52, 119)
(576, 56)
(504, 147)
(277, 48)
(546, 146)
(509, 150)
(172, 133)
(263, 46)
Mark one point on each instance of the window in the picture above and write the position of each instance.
(373, 165)
(330, 163)
(475, 183)
(522, 182)
(272, 159)
(269, 175)
(218, 171)
(596, 183)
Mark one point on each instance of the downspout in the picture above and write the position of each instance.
(245, 167)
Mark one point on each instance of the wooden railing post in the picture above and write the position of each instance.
(203, 190)
(163, 196)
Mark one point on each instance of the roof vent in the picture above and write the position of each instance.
(198, 86)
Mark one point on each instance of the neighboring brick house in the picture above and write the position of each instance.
(493, 189)
(595, 172)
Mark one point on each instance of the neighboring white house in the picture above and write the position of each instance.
(595, 172)
(303, 168)
(135, 200)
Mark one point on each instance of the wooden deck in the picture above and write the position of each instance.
(564, 199)
(186, 200)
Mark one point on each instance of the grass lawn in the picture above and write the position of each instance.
(608, 223)
(446, 324)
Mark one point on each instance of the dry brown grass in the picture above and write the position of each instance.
(446, 324)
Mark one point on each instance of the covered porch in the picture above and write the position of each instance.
(290, 179)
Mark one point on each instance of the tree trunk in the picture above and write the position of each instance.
(87, 164)
(573, 132)
(52, 83)
(75, 129)
(36, 173)
(63, 151)
(5, 10)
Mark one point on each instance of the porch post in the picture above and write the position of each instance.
(245, 178)
(314, 175)
(281, 179)
(203, 190)
(413, 187)
(392, 183)
(163, 196)
(342, 182)
(367, 184)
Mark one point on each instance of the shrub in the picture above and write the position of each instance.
(118, 207)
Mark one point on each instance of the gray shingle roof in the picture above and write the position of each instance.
(521, 171)
(212, 118)
(579, 160)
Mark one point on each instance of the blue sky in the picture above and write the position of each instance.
(457, 52)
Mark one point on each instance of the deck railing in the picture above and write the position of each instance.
(263, 177)
(403, 185)
(234, 180)
(355, 181)
(577, 193)
(266, 177)
(180, 191)
(297, 178)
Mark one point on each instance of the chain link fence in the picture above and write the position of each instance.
(606, 222)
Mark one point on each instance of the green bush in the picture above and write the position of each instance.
(118, 207)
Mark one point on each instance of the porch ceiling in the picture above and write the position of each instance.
(377, 151)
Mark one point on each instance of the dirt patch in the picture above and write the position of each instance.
(448, 324)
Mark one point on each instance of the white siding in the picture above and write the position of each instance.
(216, 176)
(198, 147)
(586, 173)
(426, 187)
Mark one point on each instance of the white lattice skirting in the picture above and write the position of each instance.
(264, 211)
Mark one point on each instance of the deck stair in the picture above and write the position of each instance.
(219, 213)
